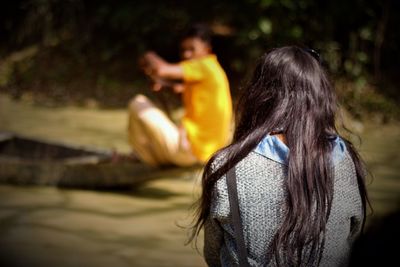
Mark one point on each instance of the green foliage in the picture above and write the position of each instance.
(365, 101)
(90, 48)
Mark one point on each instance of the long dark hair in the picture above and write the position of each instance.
(289, 93)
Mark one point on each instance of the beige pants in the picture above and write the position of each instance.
(155, 138)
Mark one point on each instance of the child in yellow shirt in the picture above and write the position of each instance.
(206, 124)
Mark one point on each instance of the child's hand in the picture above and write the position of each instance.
(156, 86)
(178, 88)
(145, 66)
(153, 59)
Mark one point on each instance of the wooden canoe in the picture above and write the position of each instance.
(28, 161)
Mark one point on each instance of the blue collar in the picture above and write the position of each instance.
(273, 148)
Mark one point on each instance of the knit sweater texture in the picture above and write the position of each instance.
(261, 196)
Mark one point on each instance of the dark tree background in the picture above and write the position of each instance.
(70, 51)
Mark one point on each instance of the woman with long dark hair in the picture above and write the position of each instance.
(300, 186)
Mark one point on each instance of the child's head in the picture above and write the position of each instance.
(196, 42)
(289, 89)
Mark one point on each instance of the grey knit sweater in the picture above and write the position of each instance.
(260, 177)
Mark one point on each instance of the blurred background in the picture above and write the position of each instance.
(68, 69)
(86, 51)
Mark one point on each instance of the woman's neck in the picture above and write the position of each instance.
(281, 137)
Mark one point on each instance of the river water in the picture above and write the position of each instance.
(49, 226)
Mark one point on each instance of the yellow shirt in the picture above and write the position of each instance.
(208, 106)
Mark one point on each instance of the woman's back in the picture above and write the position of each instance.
(260, 182)
(302, 202)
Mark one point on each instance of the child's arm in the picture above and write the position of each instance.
(161, 68)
